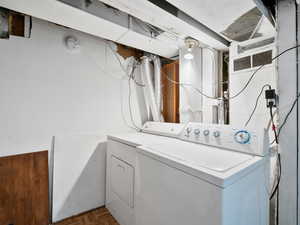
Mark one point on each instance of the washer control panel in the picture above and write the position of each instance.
(164, 129)
(227, 137)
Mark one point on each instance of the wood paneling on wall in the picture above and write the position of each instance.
(170, 92)
(24, 189)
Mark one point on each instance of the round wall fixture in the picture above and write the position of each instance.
(72, 43)
(190, 44)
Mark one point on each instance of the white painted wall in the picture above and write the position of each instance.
(242, 106)
(288, 89)
(46, 90)
(201, 72)
(210, 83)
(190, 72)
(79, 169)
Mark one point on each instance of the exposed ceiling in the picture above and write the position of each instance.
(174, 26)
(63, 14)
(239, 16)
(216, 15)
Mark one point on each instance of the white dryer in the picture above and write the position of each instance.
(121, 165)
(209, 174)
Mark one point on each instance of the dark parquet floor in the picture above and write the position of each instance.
(99, 216)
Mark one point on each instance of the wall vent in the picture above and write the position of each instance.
(252, 61)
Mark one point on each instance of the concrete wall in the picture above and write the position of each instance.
(288, 89)
(47, 90)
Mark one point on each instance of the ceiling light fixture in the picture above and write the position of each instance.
(190, 44)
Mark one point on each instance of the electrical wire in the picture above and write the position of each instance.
(273, 125)
(258, 69)
(131, 77)
(286, 117)
(288, 114)
(256, 103)
(186, 84)
(275, 189)
(129, 99)
(276, 140)
(278, 161)
(210, 97)
(247, 83)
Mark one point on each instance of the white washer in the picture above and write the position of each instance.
(209, 174)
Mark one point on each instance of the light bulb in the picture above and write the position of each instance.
(189, 56)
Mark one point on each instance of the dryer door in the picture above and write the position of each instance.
(120, 177)
(122, 180)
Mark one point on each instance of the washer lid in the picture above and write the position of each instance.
(218, 166)
(137, 139)
(204, 156)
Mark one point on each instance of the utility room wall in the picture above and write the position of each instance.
(77, 96)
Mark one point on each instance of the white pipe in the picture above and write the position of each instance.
(157, 82)
(149, 89)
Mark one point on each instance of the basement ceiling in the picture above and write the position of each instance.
(217, 16)
(227, 16)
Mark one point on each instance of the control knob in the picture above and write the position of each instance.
(242, 137)
(206, 132)
(197, 132)
(216, 134)
(188, 131)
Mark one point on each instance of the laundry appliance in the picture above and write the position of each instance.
(188, 174)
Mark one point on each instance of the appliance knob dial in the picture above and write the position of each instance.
(217, 134)
(206, 132)
(188, 130)
(197, 132)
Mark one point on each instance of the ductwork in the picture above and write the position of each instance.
(157, 81)
(149, 88)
